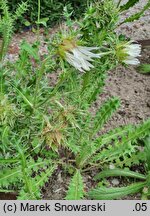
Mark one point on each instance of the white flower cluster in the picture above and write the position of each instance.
(81, 57)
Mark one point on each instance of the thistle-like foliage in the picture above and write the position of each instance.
(76, 187)
(87, 147)
(115, 193)
(103, 114)
(6, 24)
(124, 146)
(46, 122)
(20, 175)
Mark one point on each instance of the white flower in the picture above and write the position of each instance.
(78, 56)
(128, 52)
(133, 51)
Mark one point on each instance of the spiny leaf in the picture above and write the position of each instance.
(43, 178)
(9, 160)
(115, 193)
(9, 176)
(36, 184)
(112, 135)
(40, 163)
(104, 113)
(136, 16)
(89, 148)
(119, 172)
(85, 153)
(76, 187)
(20, 10)
(129, 4)
(134, 159)
(124, 146)
(113, 152)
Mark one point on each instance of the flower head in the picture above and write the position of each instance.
(76, 55)
(128, 53)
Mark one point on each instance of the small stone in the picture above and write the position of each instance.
(115, 182)
(111, 166)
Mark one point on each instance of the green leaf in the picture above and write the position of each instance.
(23, 96)
(144, 68)
(9, 176)
(43, 178)
(27, 23)
(115, 193)
(119, 172)
(123, 146)
(7, 191)
(9, 160)
(76, 187)
(20, 10)
(43, 21)
(30, 50)
(147, 151)
(104, 113)
(5, 138)
(136, 16)
(129, 4)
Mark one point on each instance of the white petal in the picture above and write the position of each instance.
(89, 48)
(80, 55)
(132, 61)
(133, 50)
(88, 53)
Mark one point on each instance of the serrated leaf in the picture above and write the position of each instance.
(124, 145)
(129, 4)
(119, 172)
(136, 16)
(104, 193)
(76, 187)
(104, 113)
(44, 176)
(30, 50)
(9, 176)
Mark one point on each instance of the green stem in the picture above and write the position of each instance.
(119, 3)
(2, 50)
(85, 82)
(38, 79)
(39, 12)
(64, 75)
(24, 173)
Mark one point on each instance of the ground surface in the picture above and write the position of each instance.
(132, 88)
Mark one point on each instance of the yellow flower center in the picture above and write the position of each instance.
(67, 45)
(121, 53)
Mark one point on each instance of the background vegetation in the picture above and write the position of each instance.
(53, 10)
